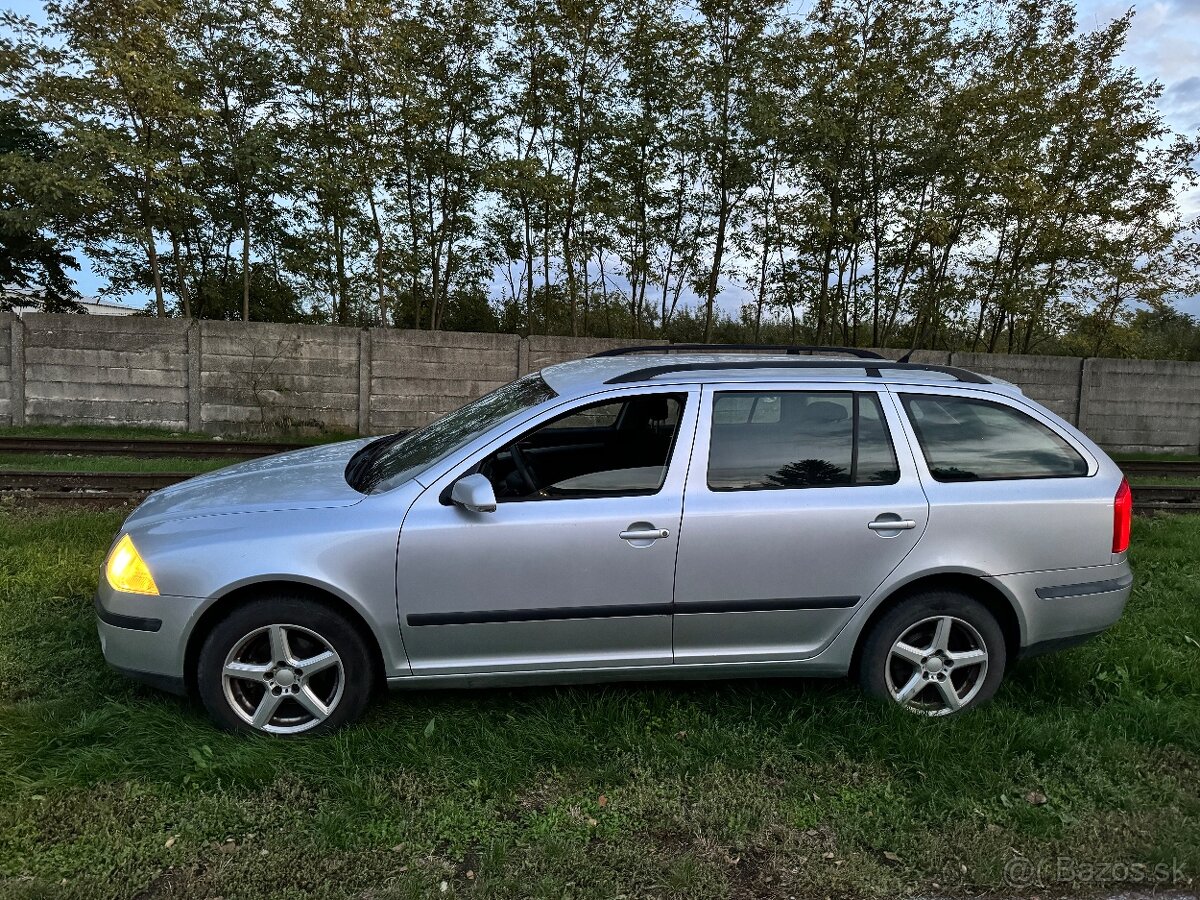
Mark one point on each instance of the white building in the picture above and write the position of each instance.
(92, 305)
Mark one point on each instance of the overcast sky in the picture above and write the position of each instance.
(1164, 45)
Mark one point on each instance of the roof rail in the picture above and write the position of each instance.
(872, 367)
(790, 349)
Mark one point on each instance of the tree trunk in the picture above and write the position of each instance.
(342, 312)
(180, 282)
(245, 267)
(715, 272)
(155, 271)
(379, 277)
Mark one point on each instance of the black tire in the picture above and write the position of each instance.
(880, 673)
(342, 686)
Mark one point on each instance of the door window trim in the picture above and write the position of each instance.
(681, 447)
(598, 495)
(855, 390)
(999, 399)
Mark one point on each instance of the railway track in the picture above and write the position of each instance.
(99, 487)
(85, 486)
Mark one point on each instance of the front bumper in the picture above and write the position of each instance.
(145, 637)
(1064, 607)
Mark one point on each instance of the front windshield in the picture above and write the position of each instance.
(398, 458)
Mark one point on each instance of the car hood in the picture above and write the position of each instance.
(311, 478)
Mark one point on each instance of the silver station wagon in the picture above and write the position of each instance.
(635, 515)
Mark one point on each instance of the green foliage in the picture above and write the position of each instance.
(899, 173)
(34, 202)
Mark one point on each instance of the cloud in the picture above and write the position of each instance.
(1164, 46)
(1181, 104)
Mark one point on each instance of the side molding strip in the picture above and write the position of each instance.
(561, 613)
(1083, 590)
(134, 623)
(778, 605)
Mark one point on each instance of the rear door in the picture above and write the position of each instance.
(798, 504)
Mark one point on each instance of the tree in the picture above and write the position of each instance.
(38, 206)
(730, 67)
(917, 173)
(118, 92)
(233, 57)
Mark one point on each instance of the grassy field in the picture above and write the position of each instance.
(133, 433)
(747, 789)
(96, 431)
(39, 462)
(1156, 457)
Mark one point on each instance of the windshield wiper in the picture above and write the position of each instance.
(360, 464)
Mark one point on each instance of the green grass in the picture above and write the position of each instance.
(133, 433)
(723, 789)
(37, 462)
(1157, 457)
(96, 431)
(1164, 481)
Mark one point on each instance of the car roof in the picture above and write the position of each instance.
(583, 376)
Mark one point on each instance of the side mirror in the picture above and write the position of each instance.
(475, 493)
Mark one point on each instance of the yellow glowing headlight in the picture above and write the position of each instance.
(126, 571)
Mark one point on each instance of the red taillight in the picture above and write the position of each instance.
(1122, 517)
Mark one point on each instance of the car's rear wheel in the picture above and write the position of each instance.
(284, 666)
(936, 654)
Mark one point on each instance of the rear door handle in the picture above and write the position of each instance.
(891, 524)
(644, 534)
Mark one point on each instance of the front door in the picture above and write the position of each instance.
(575, 567)
(798, 505)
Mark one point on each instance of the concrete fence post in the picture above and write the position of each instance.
(1082, 420)
(194, 385)
(16, 397)
(364, 381)
(1078, 420)
(522, 356)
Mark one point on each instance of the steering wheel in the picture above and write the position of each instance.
(524, 469)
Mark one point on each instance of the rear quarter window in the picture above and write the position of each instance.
(967, 439)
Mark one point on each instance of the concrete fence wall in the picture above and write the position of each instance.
(229, 378)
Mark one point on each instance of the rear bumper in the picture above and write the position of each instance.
(145, 637)
(1064, 607)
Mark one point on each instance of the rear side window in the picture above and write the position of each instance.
(773, 440)
(965, 439)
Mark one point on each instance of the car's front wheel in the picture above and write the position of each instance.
(284, 666)
(936, 654)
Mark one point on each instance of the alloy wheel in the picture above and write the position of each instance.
(937, 666)
(283, 679)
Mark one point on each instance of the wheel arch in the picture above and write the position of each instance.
(246, 593)
(999, 604)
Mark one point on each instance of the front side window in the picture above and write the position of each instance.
(770, 440)
(388, 461)
(965, 439)
(613, 448)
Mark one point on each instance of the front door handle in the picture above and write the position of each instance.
(644, 533)
(891, 524)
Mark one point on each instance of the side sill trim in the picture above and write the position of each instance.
(133, 623)
(1083, 590)
(562, 613)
